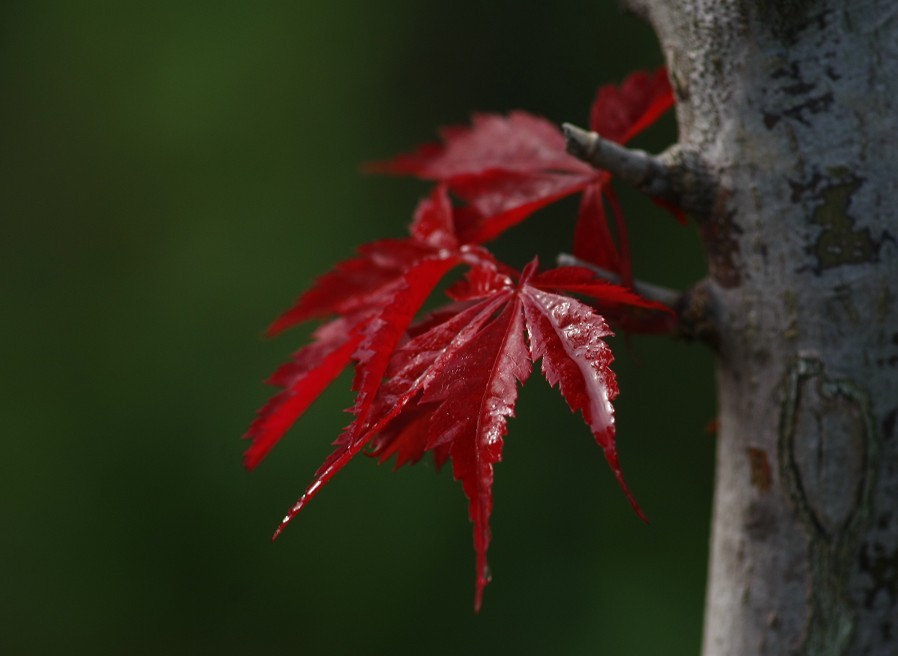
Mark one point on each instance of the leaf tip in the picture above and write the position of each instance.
(275, 328)
(484, 577)
(250, 460)
(293, 512)
(614, 463)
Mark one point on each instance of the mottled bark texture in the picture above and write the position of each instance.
(791, 108)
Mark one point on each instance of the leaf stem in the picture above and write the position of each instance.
(657, 293)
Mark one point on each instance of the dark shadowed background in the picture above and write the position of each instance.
(172, 175)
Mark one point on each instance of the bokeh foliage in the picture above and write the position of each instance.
(172, 174)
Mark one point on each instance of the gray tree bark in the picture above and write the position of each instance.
(788, 113)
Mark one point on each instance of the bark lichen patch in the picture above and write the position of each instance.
(840, 242)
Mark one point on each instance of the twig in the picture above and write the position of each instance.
(657, 293)
(696, 309)
(635, 167)
(678, 176)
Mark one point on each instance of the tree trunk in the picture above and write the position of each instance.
(789, 107)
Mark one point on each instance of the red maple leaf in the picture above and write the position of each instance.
(447, 383)
(452, 385)
(506, 167)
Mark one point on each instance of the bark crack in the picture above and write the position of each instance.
(834, 529)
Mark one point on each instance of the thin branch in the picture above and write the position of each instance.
(696, 309)
(635, 167)
(657, 293)
(677, 176)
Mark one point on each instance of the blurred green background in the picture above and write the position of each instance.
(172, 175)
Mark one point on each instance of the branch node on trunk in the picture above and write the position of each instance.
(698, 314)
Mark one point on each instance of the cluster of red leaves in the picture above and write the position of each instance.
(447, 383)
